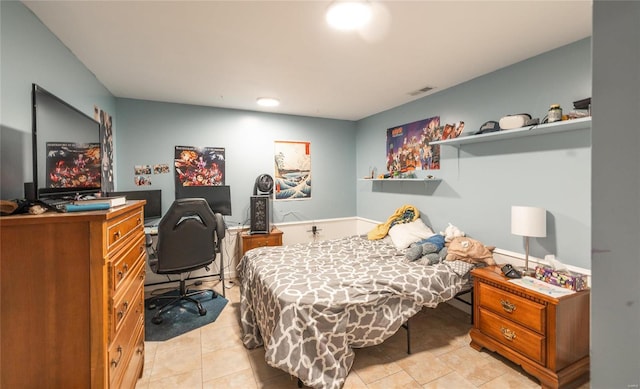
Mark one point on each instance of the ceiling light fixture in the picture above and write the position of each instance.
(268, 102)
(348, 15)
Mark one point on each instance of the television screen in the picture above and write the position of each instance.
(66, 148)
(218, 197)
(153, 207)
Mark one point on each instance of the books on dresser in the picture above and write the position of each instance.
(111, 201)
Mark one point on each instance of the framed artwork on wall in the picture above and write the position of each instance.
(292, 170)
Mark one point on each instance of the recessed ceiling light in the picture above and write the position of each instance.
(348, 15)
(268, 102)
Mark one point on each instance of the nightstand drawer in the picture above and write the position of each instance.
(521, 310)
(261, 241)
(513, 335)
(252, 241)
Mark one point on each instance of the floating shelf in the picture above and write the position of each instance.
(540, 129)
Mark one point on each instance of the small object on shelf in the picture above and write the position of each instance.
(490, 126)
(555, 113)
(582, 104)
(510, 122)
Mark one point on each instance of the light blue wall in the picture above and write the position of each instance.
(149, 131)
(31, 54)
(480, 185)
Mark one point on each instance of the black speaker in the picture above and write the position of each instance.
(260, 215)
(29, 191)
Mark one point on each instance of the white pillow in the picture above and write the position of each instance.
(403, 235)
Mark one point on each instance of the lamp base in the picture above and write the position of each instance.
(527, 272)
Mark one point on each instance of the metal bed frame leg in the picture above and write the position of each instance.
(405, 325)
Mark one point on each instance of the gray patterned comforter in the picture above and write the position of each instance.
(311, 304)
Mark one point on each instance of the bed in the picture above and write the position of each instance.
(311, 304)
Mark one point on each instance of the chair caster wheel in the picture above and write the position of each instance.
(201, 310)
(156, 320)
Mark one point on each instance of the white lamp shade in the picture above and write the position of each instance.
(528, 221)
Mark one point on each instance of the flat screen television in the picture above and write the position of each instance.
(153, 207)
(218, 197)
(66, 148)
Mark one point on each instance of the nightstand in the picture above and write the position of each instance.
(251, 241)
(547, 336)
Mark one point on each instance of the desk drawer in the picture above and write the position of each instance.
(518, 309)
(123, 228)
(514, 336)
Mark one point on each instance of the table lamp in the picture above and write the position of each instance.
(528, 222)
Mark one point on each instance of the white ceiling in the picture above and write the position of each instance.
(228, 53)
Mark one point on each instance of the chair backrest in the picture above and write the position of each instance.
(186, 237)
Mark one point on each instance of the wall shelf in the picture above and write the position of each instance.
(541, 129)
(400, 179)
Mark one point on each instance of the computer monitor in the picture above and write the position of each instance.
(153, 207)
(218, 197)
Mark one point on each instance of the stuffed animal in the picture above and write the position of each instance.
(451, 232)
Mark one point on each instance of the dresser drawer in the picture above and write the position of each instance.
(129, 302)
(123, 348)
(136, 362)
(515, 308)
(121, 268)
(514, 336)
(122, 229)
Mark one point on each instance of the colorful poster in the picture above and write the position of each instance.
(292, 170)
(73, 165)
(408, 145)
(199, 166)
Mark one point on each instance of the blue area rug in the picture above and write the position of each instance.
(182, 317)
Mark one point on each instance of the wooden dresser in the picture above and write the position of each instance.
(251, 241)
(72, 310)
(547, 336)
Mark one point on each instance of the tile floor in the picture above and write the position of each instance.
(213, 357)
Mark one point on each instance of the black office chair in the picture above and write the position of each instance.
(190, 236)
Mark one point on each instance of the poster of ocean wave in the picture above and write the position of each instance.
(292, 170)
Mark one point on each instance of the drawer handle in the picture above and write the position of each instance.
(114, 362)
(116, 235)
(122, 272)
(507, 333)
(125, 305)
(139, 308)
(507, 306)
(138, 221)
